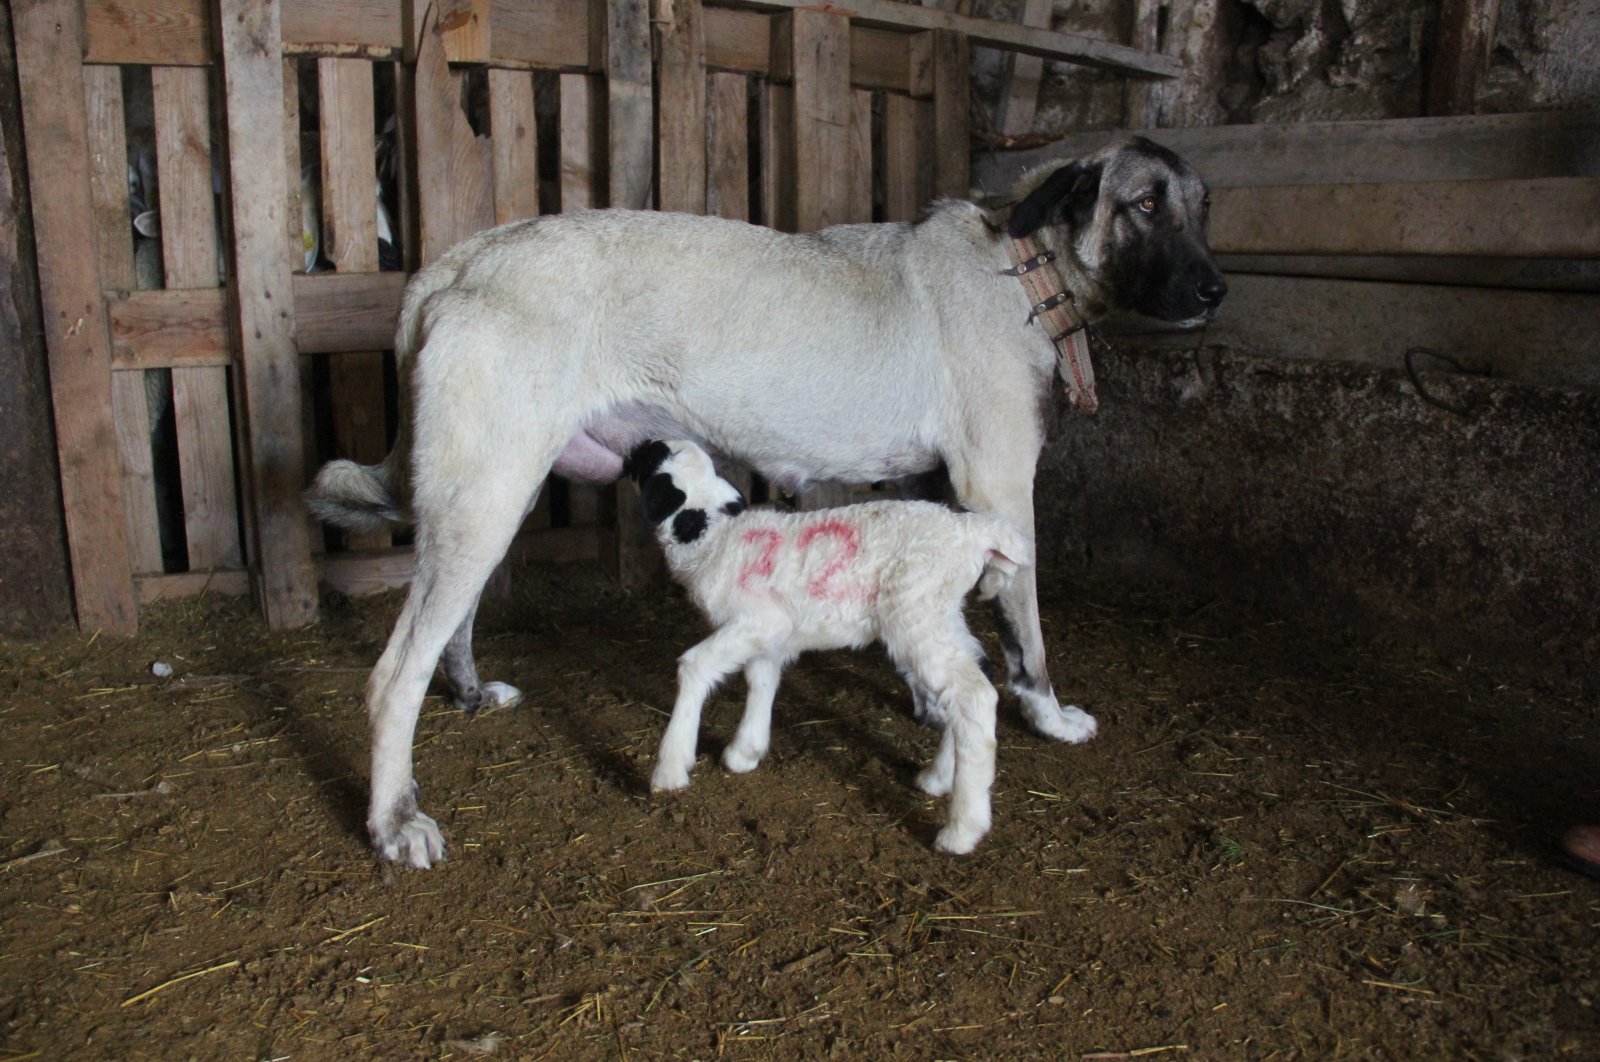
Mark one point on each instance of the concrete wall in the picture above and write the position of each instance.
(1333, 491)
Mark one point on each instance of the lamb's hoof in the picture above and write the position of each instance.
(414, 841)
(959, 840)
(740, 761)
(669, 779)
(490, 695)
(935, 782)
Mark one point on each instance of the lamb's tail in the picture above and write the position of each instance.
(358, 497)
(1007, 549)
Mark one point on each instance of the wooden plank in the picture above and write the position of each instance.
(728, 146)
(551, 33)
(359, 573)
(1019, 77)
(169, 32)
(952, 93)
(777, 156)
(742, 41)
(335, 314)
(859, 160)
(579, 136)
(1537, 338)
(514, 138)
(464, 27)
(48, 36)
(351, 27)
(189, 257)
(108, 177)
(131, 410)
(1547, 217)
(1452, 68)
(176, 587)
(1480, 147)
(1527, 274)
(205, 467)
(294, 218)
(630, 104)
(455, 196)
(1067, 47)
(907, 156)
(681, 123)
(350, 227)
(262, 314)
(817, 44)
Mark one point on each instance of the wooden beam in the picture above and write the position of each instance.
(1020, 75)
(514, 135)
(579, 134)
(727, 147)
(630, 104)
(907, 156)
(262, 313)
(350, 224)
(1541, 339)
(1480, 147)
(815, 46)
(1067, 47)
(1524, 274)
(952, 94)
(777, 156)
(49, 36)
(1547, 217)
(1459, 55)
(455, 196)
(464, 25)
(681, 120)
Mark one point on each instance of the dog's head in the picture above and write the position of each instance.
(678, 483)
(1134, 218)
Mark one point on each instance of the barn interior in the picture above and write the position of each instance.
(1324, 568)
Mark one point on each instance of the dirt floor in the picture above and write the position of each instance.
(1285, 844)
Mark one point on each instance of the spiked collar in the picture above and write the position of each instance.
(1053, 308)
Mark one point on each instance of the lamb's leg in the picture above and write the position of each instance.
(751, 740)
(699, 671)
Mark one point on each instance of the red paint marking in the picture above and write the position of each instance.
(849, 545)
(761, 567)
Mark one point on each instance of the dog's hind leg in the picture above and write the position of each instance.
(461, 673)
(1002, 484)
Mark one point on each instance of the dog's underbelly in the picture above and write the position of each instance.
(595, 453)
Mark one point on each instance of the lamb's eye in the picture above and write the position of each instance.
(1148, 204)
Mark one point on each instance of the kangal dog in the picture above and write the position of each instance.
(854, 354)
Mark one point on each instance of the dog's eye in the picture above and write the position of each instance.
(1148, 204)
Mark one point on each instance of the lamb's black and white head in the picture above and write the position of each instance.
(680, 492)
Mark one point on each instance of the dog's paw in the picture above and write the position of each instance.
(414, 840)
(960, 838)
(741, 760)
(490, 696)
(669, 777)
(1066, 722)
(936, 779)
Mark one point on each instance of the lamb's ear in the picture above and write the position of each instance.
(689, 525)
(659, 498)
(1066, 197)
(645, 459)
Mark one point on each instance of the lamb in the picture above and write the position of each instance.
(775, 584)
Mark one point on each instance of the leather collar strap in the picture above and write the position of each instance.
(1053, 308)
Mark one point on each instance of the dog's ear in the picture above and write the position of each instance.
(659, 497)
(1066, 197)
(689, 525)
(645, 459)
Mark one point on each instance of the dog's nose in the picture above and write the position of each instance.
(1211, 291)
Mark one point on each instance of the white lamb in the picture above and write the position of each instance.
(775, 584)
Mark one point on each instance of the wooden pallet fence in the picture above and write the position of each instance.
(198, 383)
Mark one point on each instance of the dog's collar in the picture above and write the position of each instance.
(1053, 307)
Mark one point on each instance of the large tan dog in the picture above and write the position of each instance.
(855, 354)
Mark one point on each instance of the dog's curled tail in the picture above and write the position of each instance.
(356, 497)
(1006, 550)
